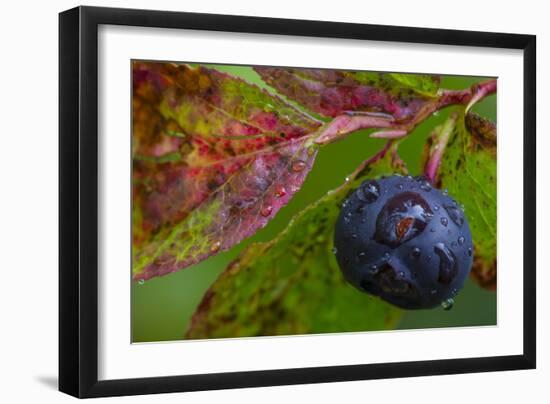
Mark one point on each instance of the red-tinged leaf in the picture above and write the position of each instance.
(214, 158)
(333, 92)
(292, 284)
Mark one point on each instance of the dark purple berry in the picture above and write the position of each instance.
(392, 240)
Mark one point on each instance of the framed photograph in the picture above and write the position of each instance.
(253, 201)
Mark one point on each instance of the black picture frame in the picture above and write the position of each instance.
(78, 201)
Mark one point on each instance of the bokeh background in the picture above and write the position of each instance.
(162, 307)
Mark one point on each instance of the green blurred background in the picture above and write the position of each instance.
(162, 307)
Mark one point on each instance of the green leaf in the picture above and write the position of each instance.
(424, 84)
(292, 285)
(468, 171)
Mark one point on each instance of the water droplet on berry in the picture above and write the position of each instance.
(373, 269)
(456, 214)
(298, 166)
(369, 191)
(415, 253)
(448, 268)
(470, 251)
(354, 236)
(425, 186)
(401, 275)
(432, 230)
(461, 240)
(444, 221)
(386, 256)
(436, 207)
(402, 218)
(399, 186)
(448, 304)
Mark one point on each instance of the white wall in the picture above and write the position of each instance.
(28, 200)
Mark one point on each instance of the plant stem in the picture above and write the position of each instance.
(442, 138)
(343, 125)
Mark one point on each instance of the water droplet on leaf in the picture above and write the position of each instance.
(280, 191)
(215, 247)
(266, 210)
(298, 166)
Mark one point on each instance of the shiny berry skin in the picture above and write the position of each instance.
(403, 240)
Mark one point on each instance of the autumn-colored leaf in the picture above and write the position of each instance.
(333, 92)
(467, 169)
(214, 158)
(292, 284)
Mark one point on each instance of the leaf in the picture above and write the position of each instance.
(214, 158)
(292, 285)
(333, 92)
(421, 83)
(468, 170)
